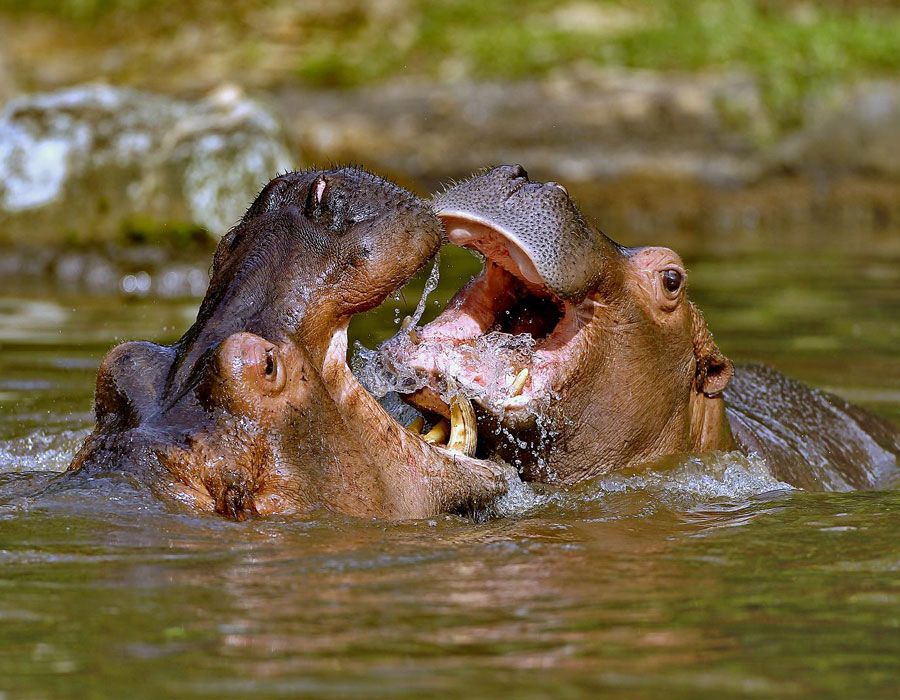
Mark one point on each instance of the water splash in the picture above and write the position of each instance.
(482, 368)
(375, 369)
(434, 277)
(381, 373)
(697, 479)
(40, 451)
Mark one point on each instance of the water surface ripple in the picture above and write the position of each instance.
(705, 579)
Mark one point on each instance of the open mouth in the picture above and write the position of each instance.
(453, 430)
(495, 355)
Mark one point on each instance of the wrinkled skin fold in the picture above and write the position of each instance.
(254, 410)
(623, 369)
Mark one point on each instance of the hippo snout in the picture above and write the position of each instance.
(167, 466)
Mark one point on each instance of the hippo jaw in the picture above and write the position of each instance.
(534, 290)
(582, 355)
(254, 410)
(534, 334)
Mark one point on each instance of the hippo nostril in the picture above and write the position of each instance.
(234, 504)
(233, 495)
(516, 171)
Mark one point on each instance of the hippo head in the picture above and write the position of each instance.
(583, 356)
(254, 410)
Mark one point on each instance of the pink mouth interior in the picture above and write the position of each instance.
(503, 321)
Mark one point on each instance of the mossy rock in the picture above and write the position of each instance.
(85, 161)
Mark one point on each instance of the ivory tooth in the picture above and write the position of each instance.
(519, 382)
(404, 324)
(416, 425)
(463, 428)
(438, 432)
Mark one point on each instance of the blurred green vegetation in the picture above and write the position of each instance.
(792, 46)
(80, 9)
(140, 229)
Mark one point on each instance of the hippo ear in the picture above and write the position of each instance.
(714, 370)
(130, 380)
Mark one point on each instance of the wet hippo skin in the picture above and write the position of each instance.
(621, 369)
(254, 410)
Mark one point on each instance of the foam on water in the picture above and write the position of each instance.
(519, 499)
(40, 451)
(699, 478)
(693, 481)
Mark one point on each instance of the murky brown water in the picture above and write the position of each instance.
(705, 581)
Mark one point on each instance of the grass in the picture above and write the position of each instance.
(793, 47)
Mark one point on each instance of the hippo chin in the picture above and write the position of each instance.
(254, 410)
(584, 356)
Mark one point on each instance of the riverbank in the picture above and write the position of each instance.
(742, 117)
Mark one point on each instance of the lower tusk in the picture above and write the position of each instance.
(519, 382)
(416, 425)
(463, 428)
(438, 432)
(405, 323)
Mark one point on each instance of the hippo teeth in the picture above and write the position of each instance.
(518, 383)
(460, 432)
(438, 432)
(463, 428)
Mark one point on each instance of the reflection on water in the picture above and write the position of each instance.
(702, 578)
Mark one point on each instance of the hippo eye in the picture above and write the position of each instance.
(672, 280)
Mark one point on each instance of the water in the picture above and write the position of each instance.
(483, 370)
(434, 278)
(696, 578)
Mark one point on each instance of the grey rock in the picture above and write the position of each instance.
(80, 161)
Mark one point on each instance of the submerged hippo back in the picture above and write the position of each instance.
(810, 438)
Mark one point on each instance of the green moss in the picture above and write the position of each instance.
(138, 229)
(792, 54)
(80, 10)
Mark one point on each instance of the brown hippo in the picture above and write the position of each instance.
(584, 356)
(254, 410)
